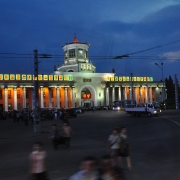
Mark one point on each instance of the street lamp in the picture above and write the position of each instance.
(163, 94)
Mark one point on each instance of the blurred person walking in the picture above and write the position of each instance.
(38, 163)
(108, 171)
(54, 135)
(88, 170)
(113, 146)
(124, 148)
(67, 131)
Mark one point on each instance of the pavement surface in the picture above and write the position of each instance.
(155, 145)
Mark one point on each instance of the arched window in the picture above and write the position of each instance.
(70, 70)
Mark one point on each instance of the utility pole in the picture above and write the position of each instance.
(36, 117)
(176, 92)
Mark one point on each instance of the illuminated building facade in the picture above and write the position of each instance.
(75, 83)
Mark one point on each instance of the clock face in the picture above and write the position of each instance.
(80, 52)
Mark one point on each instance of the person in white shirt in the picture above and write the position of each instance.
(37, 162)
(113, 145)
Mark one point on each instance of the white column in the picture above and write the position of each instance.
(119, 93)
(6, 99)
(24, 97)
(140, 94)
(57, 98)
(125, 94)
(150, 93)
(107, 96)
(146, 94)
(65, 98)
(113, 94)
(42, 98)
(15, 99)
(50, 97)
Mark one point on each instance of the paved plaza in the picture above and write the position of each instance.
(155, 145)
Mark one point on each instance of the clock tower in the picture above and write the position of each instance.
(76, 58)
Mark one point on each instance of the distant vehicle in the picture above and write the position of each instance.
(151, 108)
(123, 103)
(105, 108)
(78, 110)
(116, 108)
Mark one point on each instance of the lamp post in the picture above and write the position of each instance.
(36, 107)
(163, 94)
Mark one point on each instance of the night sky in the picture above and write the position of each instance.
(111, 27)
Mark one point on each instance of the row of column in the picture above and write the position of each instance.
(57, 97)
(41, 98)
(148, 95)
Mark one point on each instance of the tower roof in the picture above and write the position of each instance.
(75, 41)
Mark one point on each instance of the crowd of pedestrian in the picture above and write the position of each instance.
(107, 167)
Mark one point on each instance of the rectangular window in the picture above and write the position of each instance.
(18, 94)
(0, 94)
(9, 94)
(44, 104)
(72, 53)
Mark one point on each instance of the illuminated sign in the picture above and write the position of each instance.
(50, 77)
(112, 78)
(66, 78)
(29, 77)
(6, 76)
(128, 78)
(1, 76)
(116, 78)
(60, 77)
(45, 77)
(56, 77)
(23, 76)
(86, 96)
(18, 77)
(120, 78)
(108, 79)
(12, 77)
(40, 77)
(86, 80)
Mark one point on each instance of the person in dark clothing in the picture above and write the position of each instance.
(54, 135)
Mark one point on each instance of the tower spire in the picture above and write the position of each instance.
(75, 39)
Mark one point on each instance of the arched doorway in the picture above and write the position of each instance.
(88, 96)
